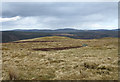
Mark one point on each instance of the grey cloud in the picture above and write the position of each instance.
(58, 9)
(62, 14)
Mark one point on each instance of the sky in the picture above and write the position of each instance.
(59, 15)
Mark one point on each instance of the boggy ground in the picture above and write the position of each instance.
(98, 60)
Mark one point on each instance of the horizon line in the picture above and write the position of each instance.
(58, 29)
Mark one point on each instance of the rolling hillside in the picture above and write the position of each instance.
(14, 35)
(60, 58)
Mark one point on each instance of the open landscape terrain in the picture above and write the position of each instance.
(14, 35)
(60, 40)
(60, 58)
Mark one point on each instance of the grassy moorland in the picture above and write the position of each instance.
(9, 36)
(60, 58)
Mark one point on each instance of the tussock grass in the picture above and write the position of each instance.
(12, 72)
(96, 61)
(4, 48)
(91, 65)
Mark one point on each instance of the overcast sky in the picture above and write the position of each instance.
(58, 15)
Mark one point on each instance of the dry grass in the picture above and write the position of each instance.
(97, 61)
(4, 48)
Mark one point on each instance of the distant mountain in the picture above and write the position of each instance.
(19, 34)
(30, 30)
(60, 30)
(67, 29)
(46, 30)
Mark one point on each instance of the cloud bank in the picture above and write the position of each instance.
(9, 19)
(48, 15)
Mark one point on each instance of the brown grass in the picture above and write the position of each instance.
(97, 61)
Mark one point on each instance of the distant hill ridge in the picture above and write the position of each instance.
(21, 34)
(65, 29)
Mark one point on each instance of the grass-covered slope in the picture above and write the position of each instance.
(97, 59)
(8, 36)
